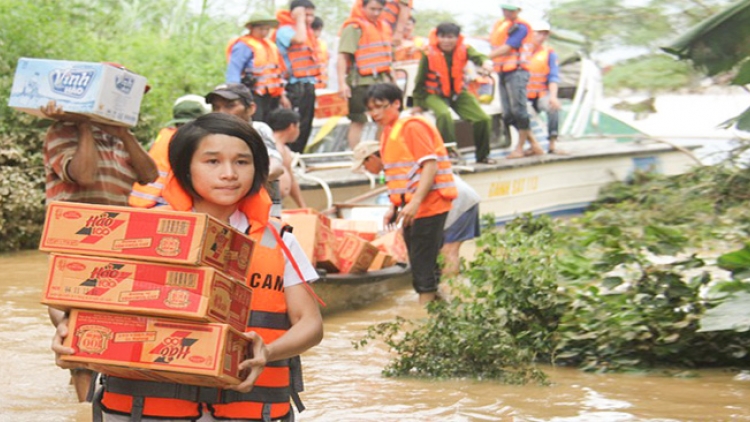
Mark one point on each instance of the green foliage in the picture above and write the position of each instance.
(497, 325)
(649, 73)
(616, 289)
(427, 19)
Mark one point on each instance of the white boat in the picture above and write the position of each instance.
(599, 149)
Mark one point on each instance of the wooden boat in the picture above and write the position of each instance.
(343, 292)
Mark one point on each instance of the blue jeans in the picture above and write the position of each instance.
(513, 98)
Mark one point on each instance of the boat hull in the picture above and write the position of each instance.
(342, 292)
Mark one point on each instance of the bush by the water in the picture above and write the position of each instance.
(623, 287)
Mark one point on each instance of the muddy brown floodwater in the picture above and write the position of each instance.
(344, 384)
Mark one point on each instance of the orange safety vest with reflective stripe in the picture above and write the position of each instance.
(539, 73)
(148, 196)
(516, 57)
(402, 171)
(390, 13)
(323, 58)
(267, 69)
(374, 53)
(441, 80)
(302, 56)
(279, 381)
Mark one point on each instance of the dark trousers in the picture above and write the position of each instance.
(302, 97)
(424, 238)
(264, 104)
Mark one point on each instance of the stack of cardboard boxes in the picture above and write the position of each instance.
(344, 246)
(154, 295)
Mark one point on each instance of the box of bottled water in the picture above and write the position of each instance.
(104, 92)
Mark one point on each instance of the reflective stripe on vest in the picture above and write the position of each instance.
(302, 57)
(266, 68)
(390, 12)
(149, 195)
(441, 80)
(539, 73)
(403, 172)
(516, 57)
(374, 52)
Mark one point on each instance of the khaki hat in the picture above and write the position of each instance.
(262, 18)
(187, 108)
(363, 150)
(510, 5)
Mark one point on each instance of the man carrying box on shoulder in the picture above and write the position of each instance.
(94, 163)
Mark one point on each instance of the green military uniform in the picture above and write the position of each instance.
(348, 44)
(463, 103)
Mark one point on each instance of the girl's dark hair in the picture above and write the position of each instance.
(185, 142)
(385, 92)
(448, 28)
(366, 2)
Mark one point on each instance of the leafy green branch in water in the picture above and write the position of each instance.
(623, 287)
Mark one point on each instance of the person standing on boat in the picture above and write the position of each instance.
(365, 58)
(544, 78)
(420, 183)
(511, 40)
(185, 109)
(299, 51)
(462, 222)
(396, 14)
(324, 55)
(439, 87)
(254, 61)
(237, 100)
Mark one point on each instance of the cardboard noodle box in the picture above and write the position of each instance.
(366, 229)
(146, 234)
(157, 349)
(328, 103)
(355, 254)
(146, 288)
(103, 92)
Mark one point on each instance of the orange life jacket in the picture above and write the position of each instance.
(323, 58)
(410, 50)
(279, 381)
(267, 69)
(148, 196)
(516, 57)
(390, 13)
(440, 80)
(539, 73)
(374, 53)
(302, 57)
(402, 171)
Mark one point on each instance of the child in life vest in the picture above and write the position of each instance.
(219, 168)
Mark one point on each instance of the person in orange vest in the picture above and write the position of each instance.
(365, 58)
(396, 15)
(323, 54)
(462, 222)
(299, 51)
(185, 109)
(220, 169)
(420, 183)
(254, 61)
(544, 78)
(511, 40)
(411, 46)
(439, 87)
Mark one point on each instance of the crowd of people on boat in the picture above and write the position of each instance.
(229, 154)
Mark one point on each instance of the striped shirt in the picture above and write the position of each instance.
(114, 178)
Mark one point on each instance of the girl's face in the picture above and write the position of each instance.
(222, 170)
